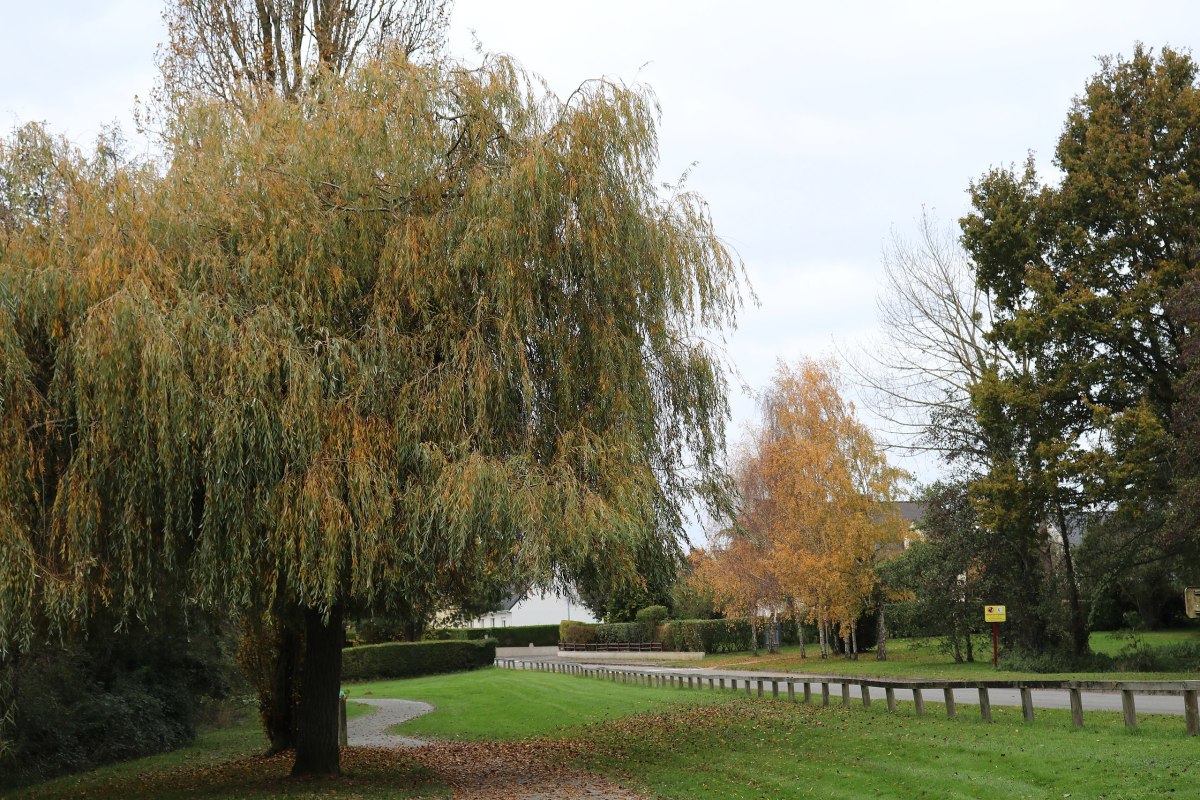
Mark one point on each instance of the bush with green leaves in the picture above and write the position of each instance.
(650, 618)
(572, 632)
(619, 633)
(413, 659)
(708, 635)
(116, 696)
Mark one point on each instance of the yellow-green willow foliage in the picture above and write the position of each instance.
(422, 325)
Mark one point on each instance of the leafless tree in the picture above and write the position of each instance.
(220, 48)
(934, 344)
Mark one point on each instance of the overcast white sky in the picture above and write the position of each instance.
(817, 128)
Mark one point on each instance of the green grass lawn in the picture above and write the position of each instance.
(676, 743)
(922, 658)
(500, 704)
(774, 749)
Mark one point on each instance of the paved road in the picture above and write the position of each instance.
(1042, 698)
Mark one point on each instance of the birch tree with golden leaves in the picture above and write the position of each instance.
(817, 494)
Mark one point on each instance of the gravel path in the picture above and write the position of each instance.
(371, 730)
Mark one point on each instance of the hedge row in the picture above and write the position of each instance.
(413, 659)
(514, 636)
(709, 635)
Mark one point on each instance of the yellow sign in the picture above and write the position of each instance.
(994, 614)
(1191, 602)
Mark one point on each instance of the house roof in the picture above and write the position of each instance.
(912, 512)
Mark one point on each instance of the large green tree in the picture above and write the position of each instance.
(349, 351)
(1083, 273)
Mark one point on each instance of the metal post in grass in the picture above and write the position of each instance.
(985, 704)
(866, 695)
(1130, 711)
(710, 683)
(747, 687)
(791, 691)
(824, 693)
(760, 687)
(1076, 707)
(721, 683)
(919, 701)
(774, 688)
(1190, 712)
(845, 694)
(1027, 704)
(890, 693)
(949, 693)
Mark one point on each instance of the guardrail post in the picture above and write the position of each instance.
(721, 683)
(919, 701)
(774, 688)
(824, 693)
(760, 687)
(747, 681)
(1127, 706)
(1190, 712)
(807, 692)
(1027, 704)
(845, 694)
(890, 693)
(949, 693)
(710, 683)
(985, 704)
(689, 681)
(1076, 707)
(865, 690)
(791, 691)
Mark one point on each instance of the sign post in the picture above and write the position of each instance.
(995, 615)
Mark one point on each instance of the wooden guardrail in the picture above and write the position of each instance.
(1187, 690)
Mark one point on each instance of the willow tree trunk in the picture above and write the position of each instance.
(317, 750)
(279, 715)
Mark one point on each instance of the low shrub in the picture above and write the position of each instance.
(650, 618)
(113, 697)
(572, 632)
(514, 636)
(413, 659)
(1052, 661)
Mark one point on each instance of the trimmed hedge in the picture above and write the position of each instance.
(709, 635)
(413, 659)
(572, 632)
(620, 633)
(514, 636)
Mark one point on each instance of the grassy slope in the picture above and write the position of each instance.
(922, 658)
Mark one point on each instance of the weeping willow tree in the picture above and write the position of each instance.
(421, 327)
